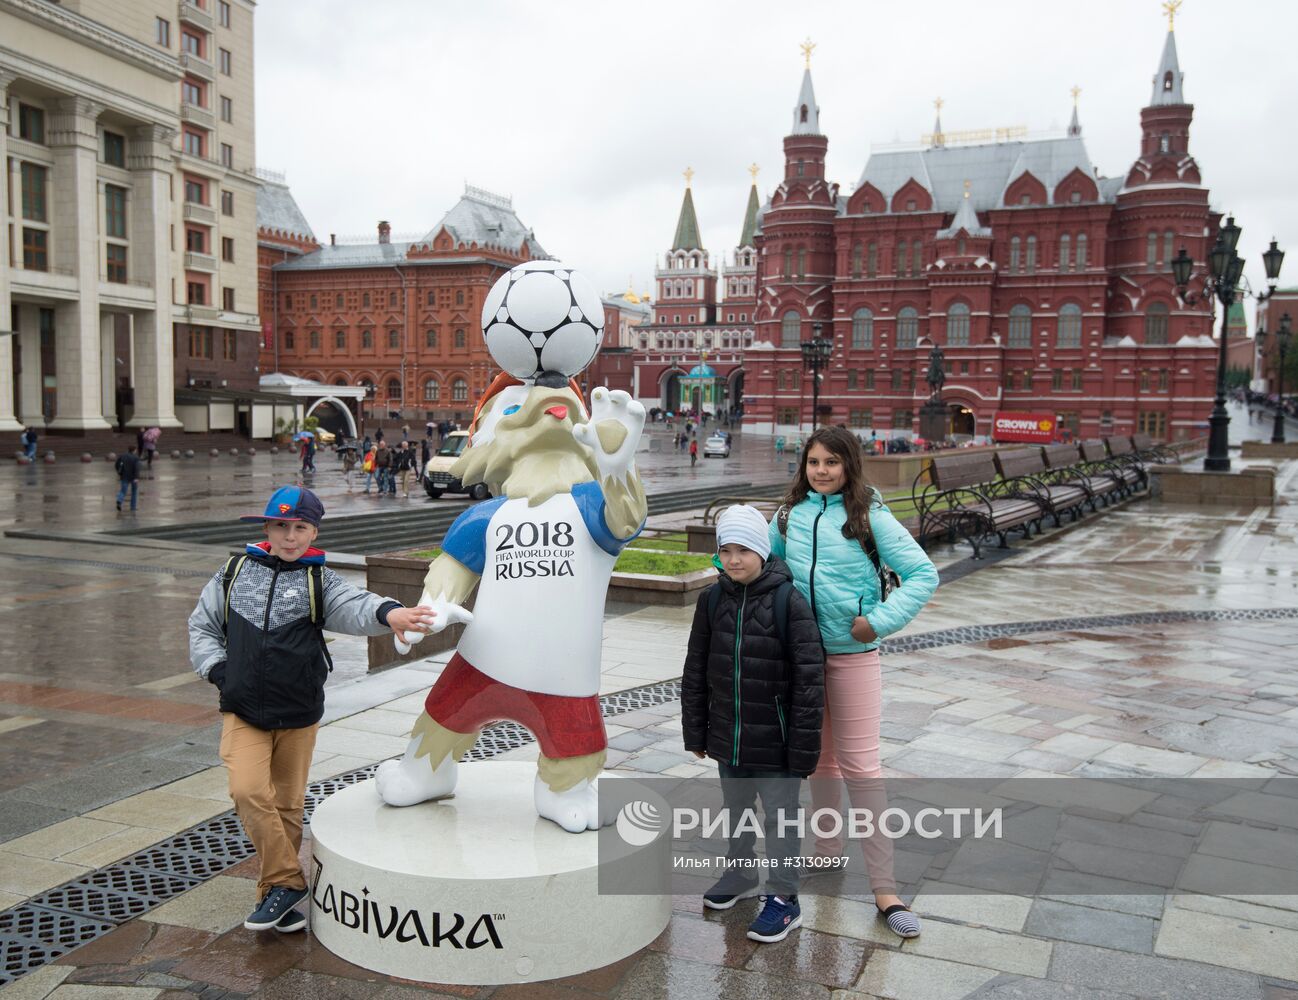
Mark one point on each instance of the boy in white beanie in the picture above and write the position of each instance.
(752, 698)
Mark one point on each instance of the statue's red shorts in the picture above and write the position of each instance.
(464, 699)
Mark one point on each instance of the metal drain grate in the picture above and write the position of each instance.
(31, 937)
(114, 894)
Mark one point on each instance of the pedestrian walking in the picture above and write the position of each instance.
(366, 445)
(369, 465)
(348, 456)
(403, 466)
(29, 440)
(128, 476)
(257, 634)
(425, 453)
(694, 451)
(378, 436)
(383, 464)
(752, 696)
(843, 546)
(151, 437)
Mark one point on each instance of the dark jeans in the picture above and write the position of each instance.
(778, 791)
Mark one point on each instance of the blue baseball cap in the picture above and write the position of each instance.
(291, 503)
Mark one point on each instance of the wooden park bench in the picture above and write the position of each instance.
(1027, 466)
(1150, 450)
(963, 497)
(1065, 468)
(1097, 463)
(1125, 459)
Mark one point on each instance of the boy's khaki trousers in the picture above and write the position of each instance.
(268, 770)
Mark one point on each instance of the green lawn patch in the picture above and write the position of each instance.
(429, 554)
(661, 563)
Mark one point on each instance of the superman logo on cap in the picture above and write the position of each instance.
(284, 508)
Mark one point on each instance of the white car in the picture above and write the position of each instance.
(717, 444)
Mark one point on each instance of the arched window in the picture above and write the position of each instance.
(460, 340)
(802, 263)
(1169, 238)
(1164, 141)
(1020, 326)
(340, 380)
(872, 260)
(802, 111)
(1070, 326)
(1016, 254)
(432, 298)
(394, 389)
(1080, 254)
(459, 391)
(858, 260)
(791, 329)
(430, 339)
(907, 327)
(365, 300)
(459, 296)
(903, 249)
(917, 259)
(313, 303)
(338, 301)
(957, 325)
(689, 287)
(367, 339)
(1156, 324)
(432, 390)
(392, 299)
(863, 329)
(1031, 264)
(1151, 250)
(1065, 252)
(788, 263)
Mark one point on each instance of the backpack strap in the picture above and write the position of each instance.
(316, 594)
(232, 567)
(867, 543)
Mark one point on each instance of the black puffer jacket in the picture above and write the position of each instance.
(745, 699)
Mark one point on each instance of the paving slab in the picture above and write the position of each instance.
(1065, 922)
(1229, 941)
(1148, 976)
(903, 976)
(215, 906)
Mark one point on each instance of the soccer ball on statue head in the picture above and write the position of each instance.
(543, 318)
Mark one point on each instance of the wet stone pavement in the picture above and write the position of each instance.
(1148, 642)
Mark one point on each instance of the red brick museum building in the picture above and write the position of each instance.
(1047, 285)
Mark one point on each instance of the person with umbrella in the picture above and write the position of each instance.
(151, 447)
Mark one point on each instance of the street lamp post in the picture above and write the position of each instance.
(1282, 347)
(816, 354)
(1225, 272)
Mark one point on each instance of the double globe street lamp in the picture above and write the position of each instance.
(1282, 336)
(816, 354)
(1225, 274)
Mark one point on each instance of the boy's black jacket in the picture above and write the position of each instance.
(747, 700)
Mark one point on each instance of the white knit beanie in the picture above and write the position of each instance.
(744, 525)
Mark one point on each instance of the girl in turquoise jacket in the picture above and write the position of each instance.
(829, 516)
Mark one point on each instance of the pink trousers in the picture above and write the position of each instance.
(849, 755)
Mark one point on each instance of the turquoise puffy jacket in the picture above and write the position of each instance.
(837, 578)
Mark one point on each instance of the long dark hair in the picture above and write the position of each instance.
(858, 495)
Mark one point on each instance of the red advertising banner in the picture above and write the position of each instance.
(1034, 428)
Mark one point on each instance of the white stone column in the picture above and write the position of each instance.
(152, 358)
(108, 366)
(8, 421)
(30, 382)
(75, 191)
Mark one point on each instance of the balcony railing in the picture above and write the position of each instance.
(195, 212)
(200, 262)
(196, 16)
(198, 66)
(195, 115)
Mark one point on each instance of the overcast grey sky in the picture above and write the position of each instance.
(588, 112)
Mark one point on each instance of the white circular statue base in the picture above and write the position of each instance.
(473, 890)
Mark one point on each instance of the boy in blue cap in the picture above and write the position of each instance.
(257, 634)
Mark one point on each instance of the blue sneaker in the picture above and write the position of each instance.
(273, 907)
(729, 891)
(291, 922)
(778, 917)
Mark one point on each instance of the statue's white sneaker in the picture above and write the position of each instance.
(575, 810)
(410, 780)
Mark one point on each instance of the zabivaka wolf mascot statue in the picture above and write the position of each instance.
(567, 500)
